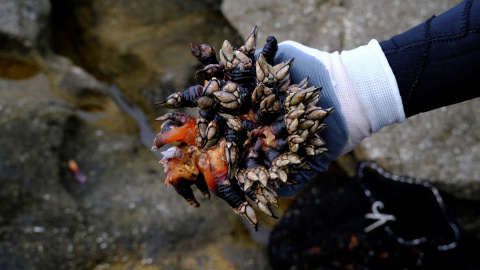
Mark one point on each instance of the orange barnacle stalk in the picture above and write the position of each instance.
(180, 169)
(184, 129)
(217, 161)
(203, 164)
(182, 163)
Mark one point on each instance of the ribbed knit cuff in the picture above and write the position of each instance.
(367, 91)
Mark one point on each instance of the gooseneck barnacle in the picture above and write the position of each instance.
(254, 131)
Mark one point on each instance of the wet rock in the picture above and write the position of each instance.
(131, 213)
(442, 146)
(22, 24)
(79, 188)
(121, 214)
(142, 46)
(332, 24)
(74, 80)
(38, 215)
(313, 23)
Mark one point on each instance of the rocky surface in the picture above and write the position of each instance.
(442, 146)
(121, 215)
(55, 109)
(23, 25)
(141, 46)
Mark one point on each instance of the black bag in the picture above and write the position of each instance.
(375, 221)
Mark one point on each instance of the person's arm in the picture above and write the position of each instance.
(361, 88)
(430, 66)
(437, 63)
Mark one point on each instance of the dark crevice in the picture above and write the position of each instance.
(70, 21)
(70, 145)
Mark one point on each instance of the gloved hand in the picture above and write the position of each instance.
(361, 87)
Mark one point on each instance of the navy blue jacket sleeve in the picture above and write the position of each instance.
(437, 63)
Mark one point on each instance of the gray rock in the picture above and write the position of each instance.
(329, 25)
(143, 46)
(441, 146)
(38, 215)
(73, 79)
(313, 23)
(121, 215)
(22, 24)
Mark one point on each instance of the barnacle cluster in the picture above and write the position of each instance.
(255, 129)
